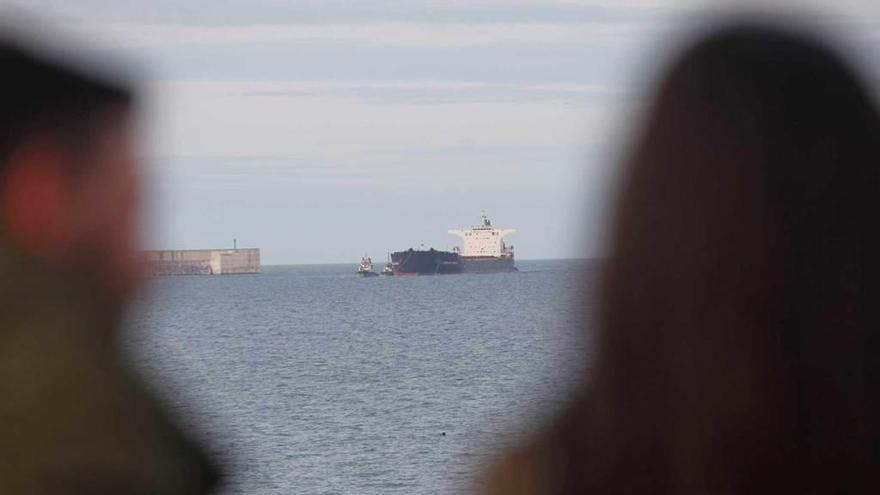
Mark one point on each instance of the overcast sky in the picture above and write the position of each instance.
(323, 130)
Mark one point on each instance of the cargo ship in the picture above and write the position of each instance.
(483, 251)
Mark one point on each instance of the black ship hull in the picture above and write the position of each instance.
(430, 262)
(433, 262)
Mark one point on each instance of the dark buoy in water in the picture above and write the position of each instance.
(443, 434)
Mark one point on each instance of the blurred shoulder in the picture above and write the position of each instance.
(554, 461)
(526, 470)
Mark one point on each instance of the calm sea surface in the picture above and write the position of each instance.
(308, 380)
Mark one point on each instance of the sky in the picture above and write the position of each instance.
(320, 131)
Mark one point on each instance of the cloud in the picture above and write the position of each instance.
(620, 4)
(215, 118)
(311, 87)
(244, 11)
(412, 34)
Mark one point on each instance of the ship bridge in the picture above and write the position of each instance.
(484, 240)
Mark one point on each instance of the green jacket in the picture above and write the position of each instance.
(73, 417)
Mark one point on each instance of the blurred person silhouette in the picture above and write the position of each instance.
(73, 417)
(737, 347)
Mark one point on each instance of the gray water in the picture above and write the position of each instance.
(307, 379)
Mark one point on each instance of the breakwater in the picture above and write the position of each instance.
(202, 261)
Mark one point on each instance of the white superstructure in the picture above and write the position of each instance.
(484, 240)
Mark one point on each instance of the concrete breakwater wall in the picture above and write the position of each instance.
(202, 261)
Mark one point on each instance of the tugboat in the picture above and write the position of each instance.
(365, 269)
(389, 268)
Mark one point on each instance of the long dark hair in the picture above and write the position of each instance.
(738, 347)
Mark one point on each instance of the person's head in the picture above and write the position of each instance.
(68, 189)
(739, 327)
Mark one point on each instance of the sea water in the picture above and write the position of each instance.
(308, 379)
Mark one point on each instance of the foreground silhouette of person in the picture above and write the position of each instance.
(73, 418)
(737, 347)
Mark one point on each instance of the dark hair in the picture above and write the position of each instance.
(738, 340)
(41, 94)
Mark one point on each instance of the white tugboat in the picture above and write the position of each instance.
(389, 267)
(365, 268)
